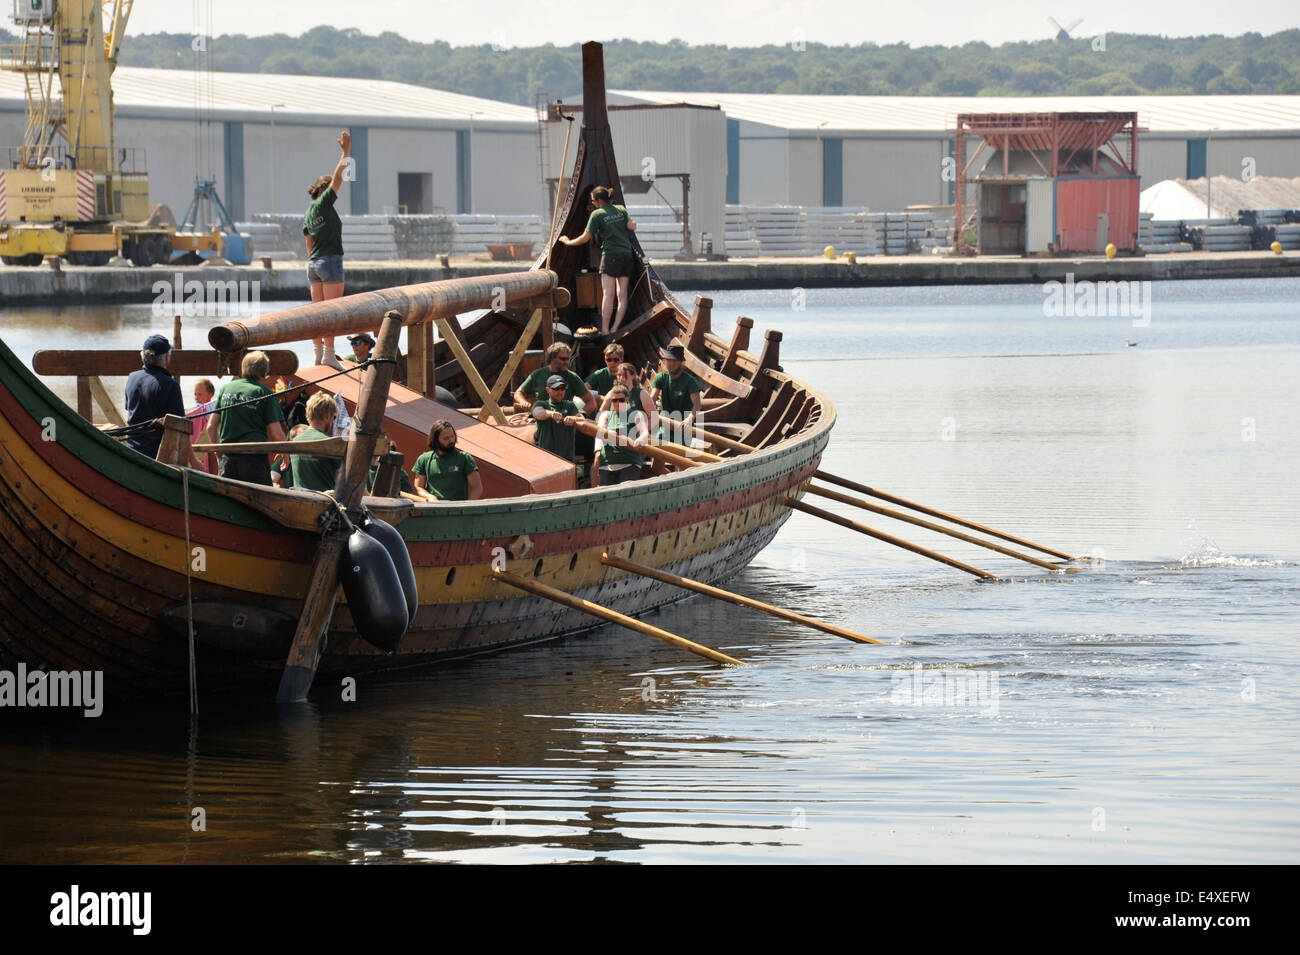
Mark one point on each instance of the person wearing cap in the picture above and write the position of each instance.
(533, 390)
(361, 346)
(678, 392)
(151, 393)
(556, 418)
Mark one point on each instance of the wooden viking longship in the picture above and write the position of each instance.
(110, 559)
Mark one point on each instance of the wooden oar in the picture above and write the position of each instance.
(702, 588)
(887, 538)
(723, 441)
(900, 516)
(613, 616)
(590, 429)
(911, 505)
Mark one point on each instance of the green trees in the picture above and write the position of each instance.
(1113, 64)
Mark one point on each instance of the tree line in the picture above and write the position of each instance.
(1110, 64)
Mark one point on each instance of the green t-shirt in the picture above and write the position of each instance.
(248, 423)
(285, 470)
(534, 386)
(675, 393)
(609, 225)
(324, 226)
(311, 472)
(554, 436)
(601, 380)
(446, 475)
(613, 454)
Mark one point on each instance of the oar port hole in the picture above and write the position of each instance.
(537, 571)
(573, 562)
(451, 576)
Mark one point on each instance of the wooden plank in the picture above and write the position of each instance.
(699, 324)
(648, 319)
(418, 358)
(467, 366)
(174, 448)
(320, 448)
(84, 406)
(105, 402)
(516, 356)
(120, 363)
(739, 342)
(711, 376)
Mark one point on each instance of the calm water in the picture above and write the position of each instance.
(1142, 711)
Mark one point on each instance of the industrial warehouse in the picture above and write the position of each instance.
(713, 174)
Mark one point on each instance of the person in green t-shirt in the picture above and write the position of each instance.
(603, 379)
(610, 226)
(310, 472)
(619, 463)
(258, 420)
(324, 231)
(533, 390)
(678, 392)
(556, 418)
(444, 473)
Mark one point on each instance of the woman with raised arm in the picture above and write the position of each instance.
(324, 231)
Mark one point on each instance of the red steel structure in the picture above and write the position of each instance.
(1054, 141)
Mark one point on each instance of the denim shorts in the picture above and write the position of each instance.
(327, 269)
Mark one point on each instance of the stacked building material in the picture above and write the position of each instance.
(659, 231)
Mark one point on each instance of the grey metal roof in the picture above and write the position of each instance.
(930, 114)
(312, 99)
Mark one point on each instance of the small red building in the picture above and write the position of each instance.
(1049, 182)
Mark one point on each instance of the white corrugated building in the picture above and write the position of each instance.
(888, 152)
(269, 135)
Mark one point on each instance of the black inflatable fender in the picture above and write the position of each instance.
(374, 591)
(389, 536)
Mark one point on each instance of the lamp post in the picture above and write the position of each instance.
(477, 112)
(273, 109)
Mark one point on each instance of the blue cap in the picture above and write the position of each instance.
(157, 344)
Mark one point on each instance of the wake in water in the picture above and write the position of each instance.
(1208, 554)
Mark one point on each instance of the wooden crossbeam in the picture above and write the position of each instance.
(467, 366)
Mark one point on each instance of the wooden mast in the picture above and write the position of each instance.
(594, 166)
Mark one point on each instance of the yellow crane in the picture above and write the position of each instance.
(69, 190)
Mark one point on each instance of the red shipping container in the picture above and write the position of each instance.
(1079, 202)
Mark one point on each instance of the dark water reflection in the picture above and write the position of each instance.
(1145, 710)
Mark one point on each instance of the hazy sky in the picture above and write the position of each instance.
(729, 22)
